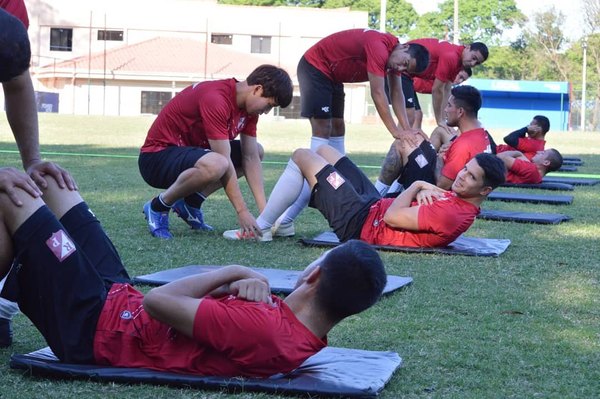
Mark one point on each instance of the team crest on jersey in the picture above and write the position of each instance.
(335, 180)
(241, 123)
(126, 315)
(61, 245)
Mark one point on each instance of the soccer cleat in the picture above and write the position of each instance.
(238, 235)
(284, 230)
(192, 216)
(5, 333)
(158, 222)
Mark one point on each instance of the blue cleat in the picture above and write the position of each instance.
(192, 216)
(158, 222)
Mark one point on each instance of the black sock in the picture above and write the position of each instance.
(195, 200)
(157, 206)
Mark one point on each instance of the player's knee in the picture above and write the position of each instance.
(300, 155)
(261, 151)
(213, 165)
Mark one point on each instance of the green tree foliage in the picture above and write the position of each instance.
(478, 20)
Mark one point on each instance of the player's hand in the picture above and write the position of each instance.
(251, 289)
(39, 169)
(428, 196)
(443, 149)
(408, 137)
(533, 130)
(248, 224)
(11, 178)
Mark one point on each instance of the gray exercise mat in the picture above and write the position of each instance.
(542, 186)
(576, 181)
(468, 246)
(572, 161)
(281, 281)
(330, 372)
(567, 168)
(530, 198)
(523, 217)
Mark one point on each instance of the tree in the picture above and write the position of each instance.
(479, 20)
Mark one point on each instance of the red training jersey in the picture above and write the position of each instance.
(463, 149)
(528, 146)
(440, 223)
(423, 86)
(348, 56)
(445, 60)
(523, 172)
(16, 8)
(232, 337)
(203, 111)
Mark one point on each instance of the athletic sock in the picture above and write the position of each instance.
(285, 192)
(316, 142)
(159, 205)
(395, 187)
(338, 144)
(381, 187)
(195, 200)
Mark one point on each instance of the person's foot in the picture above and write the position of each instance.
(5, 333)
(238, 235)
(158, 222)
(284, 230)
(192, 216)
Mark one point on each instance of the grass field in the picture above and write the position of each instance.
(526, 324)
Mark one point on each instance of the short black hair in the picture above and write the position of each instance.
(544, 122)
(275, 82)
(421, 56)
(15, 51)
(352, 279)
(493, 168)
(468, 98)
(555, 158)
(482, 48)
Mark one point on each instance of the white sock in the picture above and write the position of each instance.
(286, 191)
(338, 144)
(298, 206)
(7, 308)
(381, 187)
(395, 187)
(316, 142)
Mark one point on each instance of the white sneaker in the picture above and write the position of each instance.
(284, 230)
(238, 235)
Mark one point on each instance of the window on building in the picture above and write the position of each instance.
(61, 39)
(154, 101)
(292, 111)
(260, 44)
(221, 38)
(114, 35)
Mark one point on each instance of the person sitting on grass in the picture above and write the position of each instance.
(529, 139)
(72, 285)
(423, 215)
(191, 151)
(523, 170)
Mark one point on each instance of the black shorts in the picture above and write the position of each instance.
(347, 206)
(63, 272)
(420, 165)
(161, 169)
(410, 95)
(320, 97)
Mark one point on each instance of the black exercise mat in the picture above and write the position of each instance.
(530, 198)
(330, 372)
(567, 168)
(543, 186)
(576, 181)
(523, 217)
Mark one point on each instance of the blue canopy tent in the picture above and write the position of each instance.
(510, 104)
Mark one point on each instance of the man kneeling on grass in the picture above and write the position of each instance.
(423, 215)
(72, 285)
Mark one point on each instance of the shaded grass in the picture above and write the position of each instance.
(523, 325)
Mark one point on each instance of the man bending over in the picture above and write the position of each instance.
(72, 285)
(522, 170)
(422, 216)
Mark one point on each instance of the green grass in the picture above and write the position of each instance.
(526, 324)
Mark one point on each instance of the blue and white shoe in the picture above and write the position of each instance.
(158, 222)
(192, 216)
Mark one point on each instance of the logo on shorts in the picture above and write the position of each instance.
(421, 161)
(61, 245)
(335, 180)
(126, 315)
(325, 109)
(410, 100)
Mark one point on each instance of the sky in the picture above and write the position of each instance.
(572, 9)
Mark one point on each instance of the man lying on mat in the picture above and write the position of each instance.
(70, 282)
(523, 170)
(422, 216)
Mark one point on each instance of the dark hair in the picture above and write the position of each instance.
(352, 279)
(543, 122)
(482, 48)
(275, 82)
(468, 98)
(493, 169)
(555, 158)
(15, 53)
(421, 56)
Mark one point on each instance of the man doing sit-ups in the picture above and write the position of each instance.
(422, 216)
(522, 170)
(73, 287)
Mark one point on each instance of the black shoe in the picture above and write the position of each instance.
(5, 333)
